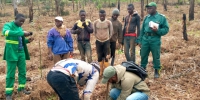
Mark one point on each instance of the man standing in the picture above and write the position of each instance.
(117, 33)
(59, 41)
(125, 85)
(154, 26)
(66, 73)
(16, 54)
(132, 21)
(103, 30)
(83, 28)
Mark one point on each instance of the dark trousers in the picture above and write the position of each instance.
(112, 49)
(102, 50)
(63, 85)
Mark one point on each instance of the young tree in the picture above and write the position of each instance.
(191, 10)
(165, 5)
(142, 9)
(15, 7)
(57, 2)
(73, 4)
(30, 6)
(118, 5)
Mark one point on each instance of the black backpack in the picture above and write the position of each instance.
(136, 69)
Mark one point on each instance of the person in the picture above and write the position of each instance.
(83, 28)
(16, 54)
(131, 24)
(59, 41)
(117, 34)
(64, 75)
(150, 37)
(103, 30)
(124, 85)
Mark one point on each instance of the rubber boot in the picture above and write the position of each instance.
(157, 73)
(101, 69)
(105, 64)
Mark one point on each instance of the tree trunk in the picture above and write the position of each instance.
(184, 28)
(38, 5)
(73, 4)
(191, 10)
(15, 7)
(57, 2)
(165, 5)
(142, 9)
(118, 5)
(30, 6)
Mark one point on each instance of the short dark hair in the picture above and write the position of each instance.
(81, 11)
(131, 5)
(102, 11)
(19, 16)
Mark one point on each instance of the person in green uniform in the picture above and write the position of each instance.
(16, 54)
(154, 26)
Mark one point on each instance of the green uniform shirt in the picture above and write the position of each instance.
(157, 18)
(12, 32)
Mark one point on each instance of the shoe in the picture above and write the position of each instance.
(8, 97)
(25, 92)
(157, 73)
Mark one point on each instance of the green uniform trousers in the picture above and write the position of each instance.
(150, 44)
(10, 76)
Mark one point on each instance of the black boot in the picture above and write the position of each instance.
(8, 97)
(156, 73)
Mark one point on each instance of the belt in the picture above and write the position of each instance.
(12, 42)
(150, 34)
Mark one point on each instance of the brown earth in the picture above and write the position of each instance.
(180, 59)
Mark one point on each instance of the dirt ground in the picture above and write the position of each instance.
(180, 59)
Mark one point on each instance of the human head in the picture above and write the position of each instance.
(115, 13)
(82, 15)
(58, 21)
(151, 8)
(130, 8)
(109, 75)
(19, 19)
(96, 65)
(102, 15)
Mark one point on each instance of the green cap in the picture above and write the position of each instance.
(151, 4)
(108, 73)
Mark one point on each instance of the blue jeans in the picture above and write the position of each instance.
(114, 93)
(129, 48)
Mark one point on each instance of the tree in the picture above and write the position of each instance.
(142, 9)
(57, 2)
(165, 5)
(118, 5)
(30, 6)
(191, 10)
(15, 7)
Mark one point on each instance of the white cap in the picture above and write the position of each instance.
(59, 18)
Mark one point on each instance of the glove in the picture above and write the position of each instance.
(87, 96)
(84, 24)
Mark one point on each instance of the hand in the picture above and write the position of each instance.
(30, 39)
(50, 56)
(108, 57)
(154, 29)
(26, 33)
(87, 96)
(78, 31)
(139, 45)
(84, 24)
(71, 54)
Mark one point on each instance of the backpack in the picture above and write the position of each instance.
(136, 69)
